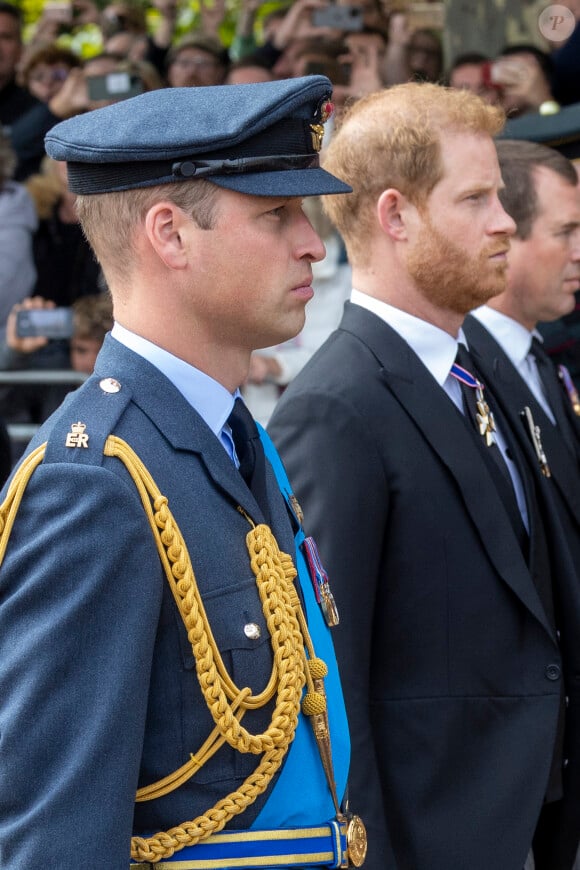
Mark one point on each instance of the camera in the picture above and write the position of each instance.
(44, 322)
(426, 16)
(114, 86)
(339, 17)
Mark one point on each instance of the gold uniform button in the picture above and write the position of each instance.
(110, 385)
(252, 631)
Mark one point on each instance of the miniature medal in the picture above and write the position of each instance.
(570, 387)
(534, 433)
(319, 579)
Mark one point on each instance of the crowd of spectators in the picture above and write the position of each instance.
(137, 46)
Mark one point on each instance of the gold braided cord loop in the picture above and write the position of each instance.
(18, 484)
(180, 776)
(275, 573)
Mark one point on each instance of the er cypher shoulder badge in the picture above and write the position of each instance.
(77, 437)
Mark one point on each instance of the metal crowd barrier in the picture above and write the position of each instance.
(22, 432)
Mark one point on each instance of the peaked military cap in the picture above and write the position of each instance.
(260, 139)
(559, 130)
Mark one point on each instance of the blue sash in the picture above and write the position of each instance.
(301, 795)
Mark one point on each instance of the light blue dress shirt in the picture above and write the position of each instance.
(212, 401)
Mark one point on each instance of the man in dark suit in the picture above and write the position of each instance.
(538, 399)
(541, 193)
(561, 131)
(154, 645)
(440, 545)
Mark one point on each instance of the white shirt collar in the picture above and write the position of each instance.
(513, 338)
(435, 348)
(209, 398)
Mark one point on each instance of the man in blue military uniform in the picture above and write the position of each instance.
(159, 661)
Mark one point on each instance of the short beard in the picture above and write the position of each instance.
(449, 278)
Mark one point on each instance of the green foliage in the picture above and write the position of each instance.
(31, 10)
(188, 20)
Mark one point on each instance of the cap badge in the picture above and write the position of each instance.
(317, 136)
(323, 113)
(326, 110)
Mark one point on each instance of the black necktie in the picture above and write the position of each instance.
(554, 392)
(492, 456)
(250, 453)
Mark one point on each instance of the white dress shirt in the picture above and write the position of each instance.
(437, 351)
(515, 341)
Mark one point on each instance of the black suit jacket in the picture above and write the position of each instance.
(451, 667)
(562, 491)
(513, 394)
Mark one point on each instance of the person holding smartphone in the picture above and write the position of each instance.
(18, 223)
(45, 70)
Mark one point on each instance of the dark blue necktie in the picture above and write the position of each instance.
(250, 453)
(554, 393)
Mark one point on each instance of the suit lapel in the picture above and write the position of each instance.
(512, 394)
(444, 429)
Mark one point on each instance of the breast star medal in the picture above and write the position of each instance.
(484, 417)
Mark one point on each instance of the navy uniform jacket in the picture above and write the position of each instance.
(98, 690)
(450, 665)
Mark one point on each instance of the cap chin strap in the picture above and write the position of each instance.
(240, 165)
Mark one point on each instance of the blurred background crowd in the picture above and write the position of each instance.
(62, 57)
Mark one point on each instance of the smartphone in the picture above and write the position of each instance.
(44, 322)
(114, 86)
(60, 10)
(339, 17)
(426, 16)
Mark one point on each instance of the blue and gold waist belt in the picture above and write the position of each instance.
(329, 845)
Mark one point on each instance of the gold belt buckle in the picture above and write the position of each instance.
(356, 840)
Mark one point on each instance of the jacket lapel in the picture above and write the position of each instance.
(444, 429)
(512, 395)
